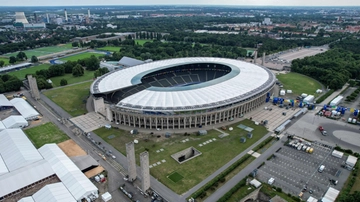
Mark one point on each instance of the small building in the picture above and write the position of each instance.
(202, 132)
(106, 197)
(255, 183)
(330, 195)
(311, 199)
(15, 121)
(4, 103)
(25, 109)
(129, 62)
(351, 161)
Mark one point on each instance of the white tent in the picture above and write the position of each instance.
(53, 192)
(106, 197)
(4, 102)
(74, 180)
(15, 122)
(255, 183)
(2, 127)
(24, 108)
(330, 195)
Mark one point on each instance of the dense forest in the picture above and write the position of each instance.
(334, 67)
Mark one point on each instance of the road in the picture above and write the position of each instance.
(115, 179)
(245, 172)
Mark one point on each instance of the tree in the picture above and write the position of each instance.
(63, 82)
(100, 72)
(12, 60)
(34, 59)
(2, 63)
(21, 56)
(92, 63)
(75, 44)
(78, 70)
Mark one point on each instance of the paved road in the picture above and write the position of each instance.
(115, 179)
(245, 172)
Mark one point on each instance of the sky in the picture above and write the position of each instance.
(182, 2)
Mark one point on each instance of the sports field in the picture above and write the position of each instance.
(80, 56)
(299, 83)
(214, 154)
(31, 70)
(42, 51)
(44, 134)
(71, 98)
(110, 48)
(142, 41)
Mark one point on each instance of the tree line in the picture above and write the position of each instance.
(9, 83)
(333, 68)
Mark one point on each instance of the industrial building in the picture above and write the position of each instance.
(47, 174)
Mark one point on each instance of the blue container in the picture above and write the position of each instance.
(356, 112)
(338, 109)
(343, 110)
(301, 104)
(325, 107)
(267, 94)
(292, 103)
(267, 99)
(275, 100)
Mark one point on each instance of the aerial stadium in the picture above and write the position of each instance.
(184, 92)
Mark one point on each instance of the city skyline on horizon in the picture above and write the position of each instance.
(294, 3)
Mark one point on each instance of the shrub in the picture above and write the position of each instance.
(278, 189)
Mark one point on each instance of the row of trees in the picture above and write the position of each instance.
(157, 50)
(333, 68)
(9, 83)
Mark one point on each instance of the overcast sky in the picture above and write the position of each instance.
(182, 2)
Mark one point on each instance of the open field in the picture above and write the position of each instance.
(31, 70)
(88, 75)
(71, 98)
(68, 45)
(214, 154)
(42, 51)
(110, 48)
(80, 56)
(46, 133)
(299, 83)
(6, 60)
(142, 41)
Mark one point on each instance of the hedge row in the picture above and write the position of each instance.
(347, 151)
(345, 192)
(323, 97)
(353, 95)
(228, 194)
(260, 146)
(220, 177)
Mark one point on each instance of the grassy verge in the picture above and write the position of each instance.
(71, 98)
(80, 56)
(264, 144)
(31, 70)
(299, 83)
(214, 154)
(44, 134)
(270, 191)
(324, 96)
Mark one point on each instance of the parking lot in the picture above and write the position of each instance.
(273, 116)
(293, 170)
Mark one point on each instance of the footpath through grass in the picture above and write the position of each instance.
(44, 134)
(214, 154)
(299, 83)
(71, 98)
(31, 70)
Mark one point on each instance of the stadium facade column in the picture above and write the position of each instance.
(156, 123)
(173, 123)
(145, 124)
(167, 123)
(150, 122)
(206, 120)
(195, 121)
(190, 121)
(139, 118)
(129, 121)
(178, 122)
(162, 123)
(134, 120)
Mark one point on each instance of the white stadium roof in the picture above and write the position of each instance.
(16, 149)
(56, 192)
(24, 108)
(74, 180)
(244, 81)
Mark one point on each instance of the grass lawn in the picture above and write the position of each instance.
(68, 45)
(142, 41)
(299, 83)
(268, 190)
(175, 177)
(88, 75)
(71, 98)
(214, 155)
(46, 133)
(110, 48)
(6, 60)
(31, 70)
(241, 193)
(80, 56)
(41, 51)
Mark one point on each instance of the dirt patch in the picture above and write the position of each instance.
(70, 148)
(91, 173)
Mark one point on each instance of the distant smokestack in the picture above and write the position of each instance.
(255, 57)
(263, 59)
(66, 19)
(47, 18)
(89, 13)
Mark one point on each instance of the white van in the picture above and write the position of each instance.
(321, 168)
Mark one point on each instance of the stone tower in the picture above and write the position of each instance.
(145, 171)
(33, 87)
(130, 155)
